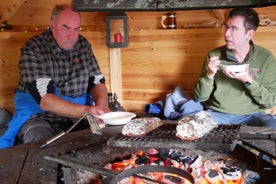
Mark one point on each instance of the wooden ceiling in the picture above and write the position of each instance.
(23, 11)
(21, 14)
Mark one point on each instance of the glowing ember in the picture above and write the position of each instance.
(203, 171)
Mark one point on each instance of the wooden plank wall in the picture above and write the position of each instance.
(154, 63)
(158, 61)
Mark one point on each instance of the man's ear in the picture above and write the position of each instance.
(51, 24)
(250, 34)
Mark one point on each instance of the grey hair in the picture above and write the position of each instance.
(59, 8)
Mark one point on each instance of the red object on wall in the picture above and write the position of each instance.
(117, 37)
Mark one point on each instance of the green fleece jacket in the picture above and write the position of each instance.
(228, 95)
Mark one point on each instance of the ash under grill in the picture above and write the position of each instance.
(222, 138)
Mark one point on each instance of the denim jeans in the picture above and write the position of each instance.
(254, 119)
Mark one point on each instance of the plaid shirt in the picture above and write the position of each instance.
(70, 71)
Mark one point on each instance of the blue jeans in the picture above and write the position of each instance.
(254, 119)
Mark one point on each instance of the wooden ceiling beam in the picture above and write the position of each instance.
(11, 10)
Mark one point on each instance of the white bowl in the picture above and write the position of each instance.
(233, 68)
(117, 118)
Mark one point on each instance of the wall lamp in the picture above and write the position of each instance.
(116, 24)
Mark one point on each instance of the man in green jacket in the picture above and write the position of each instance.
(239, 97)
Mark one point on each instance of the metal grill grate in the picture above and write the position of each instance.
(222, 138)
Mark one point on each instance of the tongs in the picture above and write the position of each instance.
(94, 127)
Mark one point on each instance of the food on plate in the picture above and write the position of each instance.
(141, 126)
(195, 126)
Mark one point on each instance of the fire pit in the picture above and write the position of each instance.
(98, 163)
(220, 145)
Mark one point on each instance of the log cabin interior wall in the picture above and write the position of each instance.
(155, 62)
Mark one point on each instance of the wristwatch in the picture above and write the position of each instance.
(247, 83)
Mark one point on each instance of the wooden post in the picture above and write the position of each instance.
(115, 73)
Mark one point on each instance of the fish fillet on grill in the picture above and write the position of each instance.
(195, 126)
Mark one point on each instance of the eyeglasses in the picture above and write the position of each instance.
(231, 28)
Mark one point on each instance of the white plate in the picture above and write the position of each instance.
(117, 118)
(234, 68)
